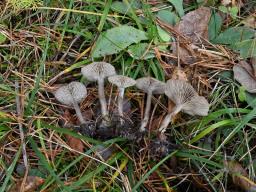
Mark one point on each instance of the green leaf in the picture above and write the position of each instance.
(214, 26)
(233, 12)
(242, 94)
(250, 99)
(223, 9)
(120, 7)
(246, 48)
(168, 17)
(139, 51)
(2, 38)
(117, 39)
(163, 34)
(234, 35)
(178, 5)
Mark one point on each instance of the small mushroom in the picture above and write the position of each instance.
(71, 95)
(244, 74)
(121, 82)
(98, 71)
(186, 99)
(150, 86)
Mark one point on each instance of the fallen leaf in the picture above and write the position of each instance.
(239, 176)
(75, 143)
(243, 73)
(194, 27)
(31, 184)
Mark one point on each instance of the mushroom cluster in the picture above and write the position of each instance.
(180, 92)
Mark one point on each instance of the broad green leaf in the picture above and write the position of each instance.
(163, 34)
(139, 51)
(234, 35)
(120, 7)
(246, 48)
(168, 17)
(2, 38)
(117, 39)
(214, 26)
(178, 5)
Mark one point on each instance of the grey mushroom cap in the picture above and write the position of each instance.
(74, 91)
(186, 98)
(244, 75)
(147, 84)
(179, 91)
(198, 105)
(121, 81)
(98, 70)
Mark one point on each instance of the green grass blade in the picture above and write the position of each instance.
(10, 171)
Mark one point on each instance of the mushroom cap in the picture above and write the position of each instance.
(98, 70)
(244, 75)
(198, 105)
(185, 97)
(74, 91)
(147, 84)
(121, 81)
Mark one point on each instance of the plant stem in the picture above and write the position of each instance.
(120, 103)
(146, 114)
(168, 119)
(102, 98)
(78, 113)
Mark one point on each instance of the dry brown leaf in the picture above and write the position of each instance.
(194, 26)
(31, 184)
(239, 176)
(244, 74)
(75, 143)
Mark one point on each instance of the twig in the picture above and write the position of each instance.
(20, 114)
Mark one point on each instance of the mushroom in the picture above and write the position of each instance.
(98, 71)
(244, 74)
(186, 99)
(71, 95)
(150, 86)
(121, 82)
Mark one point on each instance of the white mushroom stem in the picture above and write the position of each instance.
(120, 103)
(146, 114)
(168, 119)
(102, 98)
(78, 112)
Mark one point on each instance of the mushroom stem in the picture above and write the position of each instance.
(168, 119)
(146, 114)
(102, 98)
(78, 112)
(120, 103)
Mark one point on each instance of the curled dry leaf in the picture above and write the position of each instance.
(239, 176)
(31, 184)
(244, 74)
(193, 26)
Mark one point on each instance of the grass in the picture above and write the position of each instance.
(47, 43)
